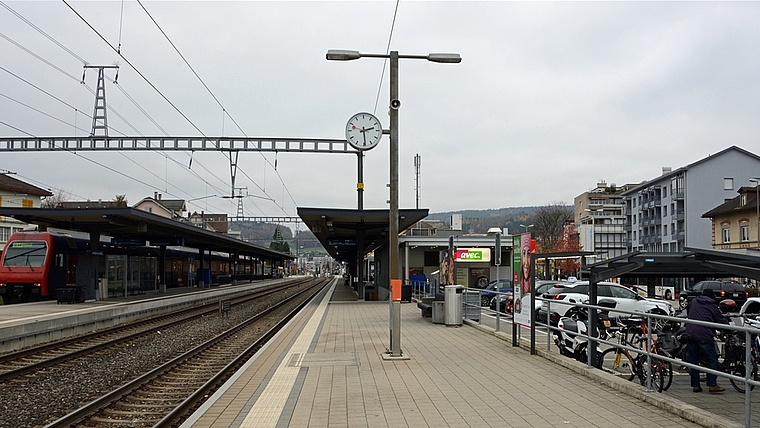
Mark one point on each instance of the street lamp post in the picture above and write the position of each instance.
(526, 227)
(393, 229)
(757, 204)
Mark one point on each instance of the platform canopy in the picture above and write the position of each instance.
(131, 226)
(693, 262)
(343, 231)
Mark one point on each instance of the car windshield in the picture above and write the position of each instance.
(733, 286)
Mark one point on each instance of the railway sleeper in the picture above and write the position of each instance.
(121, 422)
(154, 389)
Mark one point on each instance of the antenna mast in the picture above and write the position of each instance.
(417, 165)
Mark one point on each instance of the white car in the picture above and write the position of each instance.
(625, 299)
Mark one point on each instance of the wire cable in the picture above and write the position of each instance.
(385, 61)
(92, 91)
(224, 110)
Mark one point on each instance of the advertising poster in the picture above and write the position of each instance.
(522, 277)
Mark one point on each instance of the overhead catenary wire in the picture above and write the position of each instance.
(92, 91)
(224, 110)
(385, 61)
(139, 73)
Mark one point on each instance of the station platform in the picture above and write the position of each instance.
(326, 369)
(28, 324)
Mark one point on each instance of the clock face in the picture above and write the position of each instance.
(363, 131)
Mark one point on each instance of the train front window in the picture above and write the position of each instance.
(25, 253)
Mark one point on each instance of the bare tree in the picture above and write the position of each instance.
(55, 200)
(549, 225)
(119, 201)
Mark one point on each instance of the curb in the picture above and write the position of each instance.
(671, 405)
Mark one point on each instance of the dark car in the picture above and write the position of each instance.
(542, 286)
(722, 289)
(504, 303)
(488, 293)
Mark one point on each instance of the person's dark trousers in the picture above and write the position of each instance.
(705, 353)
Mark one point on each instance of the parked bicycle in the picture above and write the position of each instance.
(734, 361)
(628, 364)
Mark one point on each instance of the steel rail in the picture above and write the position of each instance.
(95, 406)
(87, 350)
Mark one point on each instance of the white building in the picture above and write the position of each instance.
(13, 194)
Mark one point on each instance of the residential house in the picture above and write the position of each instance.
(169, 208)
(16, 193)
(600, 220)
(736, 222)
(214, 222)
(664, 214)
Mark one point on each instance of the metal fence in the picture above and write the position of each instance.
(747, 326)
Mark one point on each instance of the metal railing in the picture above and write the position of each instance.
(748, 330)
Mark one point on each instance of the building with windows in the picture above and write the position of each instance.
(736, 222)
(664, 214)
(600, 220)
(16, 193)
(169, 208)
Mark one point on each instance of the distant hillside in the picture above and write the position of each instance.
(479, 221)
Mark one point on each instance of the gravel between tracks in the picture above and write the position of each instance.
(40, 399)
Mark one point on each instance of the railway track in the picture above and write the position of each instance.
(29, 361)
(167, 394)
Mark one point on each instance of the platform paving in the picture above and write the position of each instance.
(326, 370)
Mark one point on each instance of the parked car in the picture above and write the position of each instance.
(722, 290)
(542, 286)
(488, 293)
(547, 286)
(505, 303)
(625, 298)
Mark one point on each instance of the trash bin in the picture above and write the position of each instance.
(438, 312)
(368, 291)
(453, 304)
(406, 293)
(66, 295)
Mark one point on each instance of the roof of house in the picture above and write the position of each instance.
(735, 205)
(85, 204)
(171, 205)
(11, 184)
(689, 166)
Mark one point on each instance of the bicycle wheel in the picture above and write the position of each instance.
(617, 362)
(667, 374)
(738, 370)
(657, 373)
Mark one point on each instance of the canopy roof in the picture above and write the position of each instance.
(138, 226)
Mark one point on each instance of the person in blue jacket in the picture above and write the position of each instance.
(701, 339)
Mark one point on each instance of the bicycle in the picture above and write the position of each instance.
(629, 365)
(734, 356)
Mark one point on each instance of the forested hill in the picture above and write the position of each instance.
(479, 221)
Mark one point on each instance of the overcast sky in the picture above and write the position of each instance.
(549, 99)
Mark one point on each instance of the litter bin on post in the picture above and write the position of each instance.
(453, 304)
(406, 293)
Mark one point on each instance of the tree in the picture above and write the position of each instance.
(119, 201)
(55, 200)
(279, 244)
(549, 226)
(569, 242)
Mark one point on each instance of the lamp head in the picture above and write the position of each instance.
(342, 55)
(447, 58)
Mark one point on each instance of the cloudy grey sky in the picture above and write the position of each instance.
(550, 97)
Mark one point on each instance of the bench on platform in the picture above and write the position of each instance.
(426, 306)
